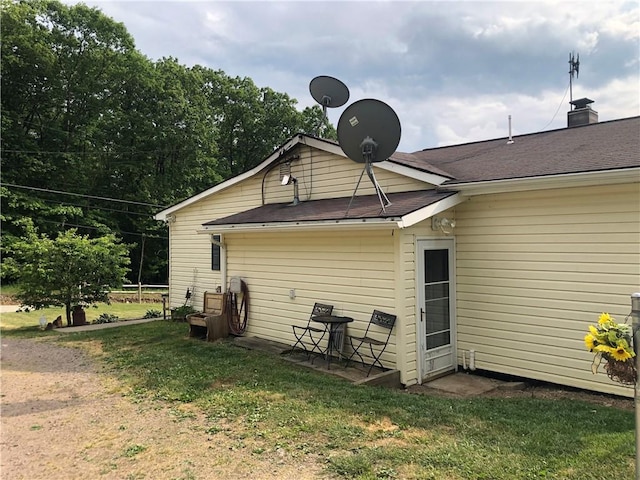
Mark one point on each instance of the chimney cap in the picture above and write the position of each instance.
(581, 103)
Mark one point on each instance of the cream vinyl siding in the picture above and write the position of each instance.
(320, 175)
(325, 175)
(353, 271)
(190, 252)
(535, 269)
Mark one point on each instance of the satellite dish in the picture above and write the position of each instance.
(328, 92)
(368, 132)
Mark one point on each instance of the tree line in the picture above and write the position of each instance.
(97, 137)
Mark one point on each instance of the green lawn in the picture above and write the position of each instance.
(361, 432)
(124, 311)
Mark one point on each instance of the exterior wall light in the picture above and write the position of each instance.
(288, 179)
(445, 225)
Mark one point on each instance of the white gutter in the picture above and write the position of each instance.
(583, 179)
(360, 224)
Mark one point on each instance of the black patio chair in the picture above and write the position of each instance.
(314, 334)
(383, 320)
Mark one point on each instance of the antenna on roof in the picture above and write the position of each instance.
(574, 67)
(369, 132)
(328, 92)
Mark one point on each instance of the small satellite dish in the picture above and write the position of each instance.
(368, 132)
(328, 92)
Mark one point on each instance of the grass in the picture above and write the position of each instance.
(21, 321)
(264, 403)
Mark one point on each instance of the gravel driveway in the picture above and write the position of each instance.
(64, 417)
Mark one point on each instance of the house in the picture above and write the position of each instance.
(503, 251)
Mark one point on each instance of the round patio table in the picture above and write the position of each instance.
(331, 323)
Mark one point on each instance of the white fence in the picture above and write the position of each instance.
(140, 287)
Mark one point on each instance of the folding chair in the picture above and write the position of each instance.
(309, 330)
(383, 320)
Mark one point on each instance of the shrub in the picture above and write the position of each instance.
(152, 314)
(180, 313)
(106, 318)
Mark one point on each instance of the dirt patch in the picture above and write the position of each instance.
(63, 417)
(533, 389)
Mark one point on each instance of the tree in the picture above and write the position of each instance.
(70, 270)
(98, 137)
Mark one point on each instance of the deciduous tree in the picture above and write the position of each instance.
(69, 270)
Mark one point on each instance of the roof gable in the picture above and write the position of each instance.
(596, 148)
(341, 175)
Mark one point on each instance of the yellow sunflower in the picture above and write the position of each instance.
(604, 318)
(620, 354)
(604, 348)
(593, 330)
(590, 342)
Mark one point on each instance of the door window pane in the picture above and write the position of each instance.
(437, 315)
(438, 340)
(436, 265)
(436, 291)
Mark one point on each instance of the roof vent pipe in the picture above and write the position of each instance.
(510, 141)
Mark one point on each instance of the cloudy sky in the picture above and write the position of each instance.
(453, 71)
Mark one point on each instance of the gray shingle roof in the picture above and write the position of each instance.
(600, 146)
(612, 145)
(363, 207)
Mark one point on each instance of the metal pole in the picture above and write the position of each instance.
(635, 323)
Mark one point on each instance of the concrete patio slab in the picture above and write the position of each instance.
(459, 384)
(464, 384)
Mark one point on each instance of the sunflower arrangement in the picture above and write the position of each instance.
(611, 342)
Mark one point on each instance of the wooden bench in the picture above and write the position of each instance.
(213, 319)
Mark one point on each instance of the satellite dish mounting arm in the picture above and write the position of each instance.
(369, 149)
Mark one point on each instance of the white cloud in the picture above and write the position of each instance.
(453, 71)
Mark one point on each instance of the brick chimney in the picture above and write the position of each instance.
(581, 113)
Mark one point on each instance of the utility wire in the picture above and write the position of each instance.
(96, 228)
(82, 195)
(88, 152)
(93, 207)
(557, 110)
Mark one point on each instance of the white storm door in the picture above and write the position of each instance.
(436, 306)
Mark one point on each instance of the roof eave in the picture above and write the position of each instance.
(410, 172)
(546, 182)
(429, 211)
